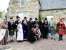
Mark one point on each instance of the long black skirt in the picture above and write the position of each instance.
(45, 33)
(31, 38)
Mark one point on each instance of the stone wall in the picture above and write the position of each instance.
(29, 9)
(56, 13)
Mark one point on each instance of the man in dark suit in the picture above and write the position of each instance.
(11, 29)
(35, 22)
(16, 23)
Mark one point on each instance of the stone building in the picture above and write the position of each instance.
(28, 8)
(32, 8)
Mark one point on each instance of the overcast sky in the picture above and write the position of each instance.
(4, 5)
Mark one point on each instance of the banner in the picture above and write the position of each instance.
(2, 33)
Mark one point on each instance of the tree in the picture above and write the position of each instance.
(40, 18)
(1, 14)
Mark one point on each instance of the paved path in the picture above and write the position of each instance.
(43, 44)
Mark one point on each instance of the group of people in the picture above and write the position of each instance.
(34, 30)
(25, 30)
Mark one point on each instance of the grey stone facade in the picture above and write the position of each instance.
(31, 8)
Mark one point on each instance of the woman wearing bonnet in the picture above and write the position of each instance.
(19, 32)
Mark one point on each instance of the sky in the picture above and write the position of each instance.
(4, 5)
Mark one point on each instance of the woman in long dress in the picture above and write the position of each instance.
(25, 28)
(61, 29)
(19, 32)
(45, 29)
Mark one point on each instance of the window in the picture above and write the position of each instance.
(23, 2)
